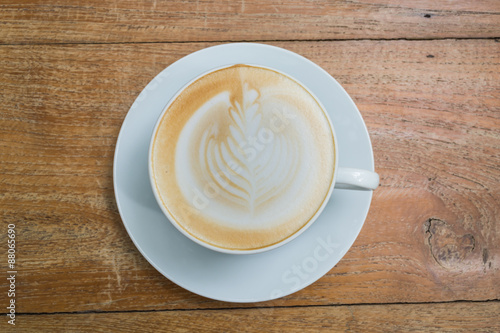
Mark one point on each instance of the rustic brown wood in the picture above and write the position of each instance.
(90, 21)
(432, 108)
(454, 317)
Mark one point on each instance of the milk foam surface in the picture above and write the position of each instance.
(243, 158)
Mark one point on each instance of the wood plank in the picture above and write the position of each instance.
(432, 108)
(118, 21)
(452, 317)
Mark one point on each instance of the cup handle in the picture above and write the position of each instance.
(356, 179)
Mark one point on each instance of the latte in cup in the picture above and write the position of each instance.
(243, 158)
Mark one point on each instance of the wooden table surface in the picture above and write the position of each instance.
(425, 75)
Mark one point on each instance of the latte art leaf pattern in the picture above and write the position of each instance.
(243, 158)
(247, 164)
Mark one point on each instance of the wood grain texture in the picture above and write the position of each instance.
(432, 109)
(454, 317)
(118, 21)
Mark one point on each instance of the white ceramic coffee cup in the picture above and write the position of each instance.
(343, 178)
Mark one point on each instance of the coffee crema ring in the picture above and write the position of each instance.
(243, 157)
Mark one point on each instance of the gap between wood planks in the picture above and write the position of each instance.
(497, 39)
(255, 308)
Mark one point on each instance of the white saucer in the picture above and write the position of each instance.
(240, 278)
